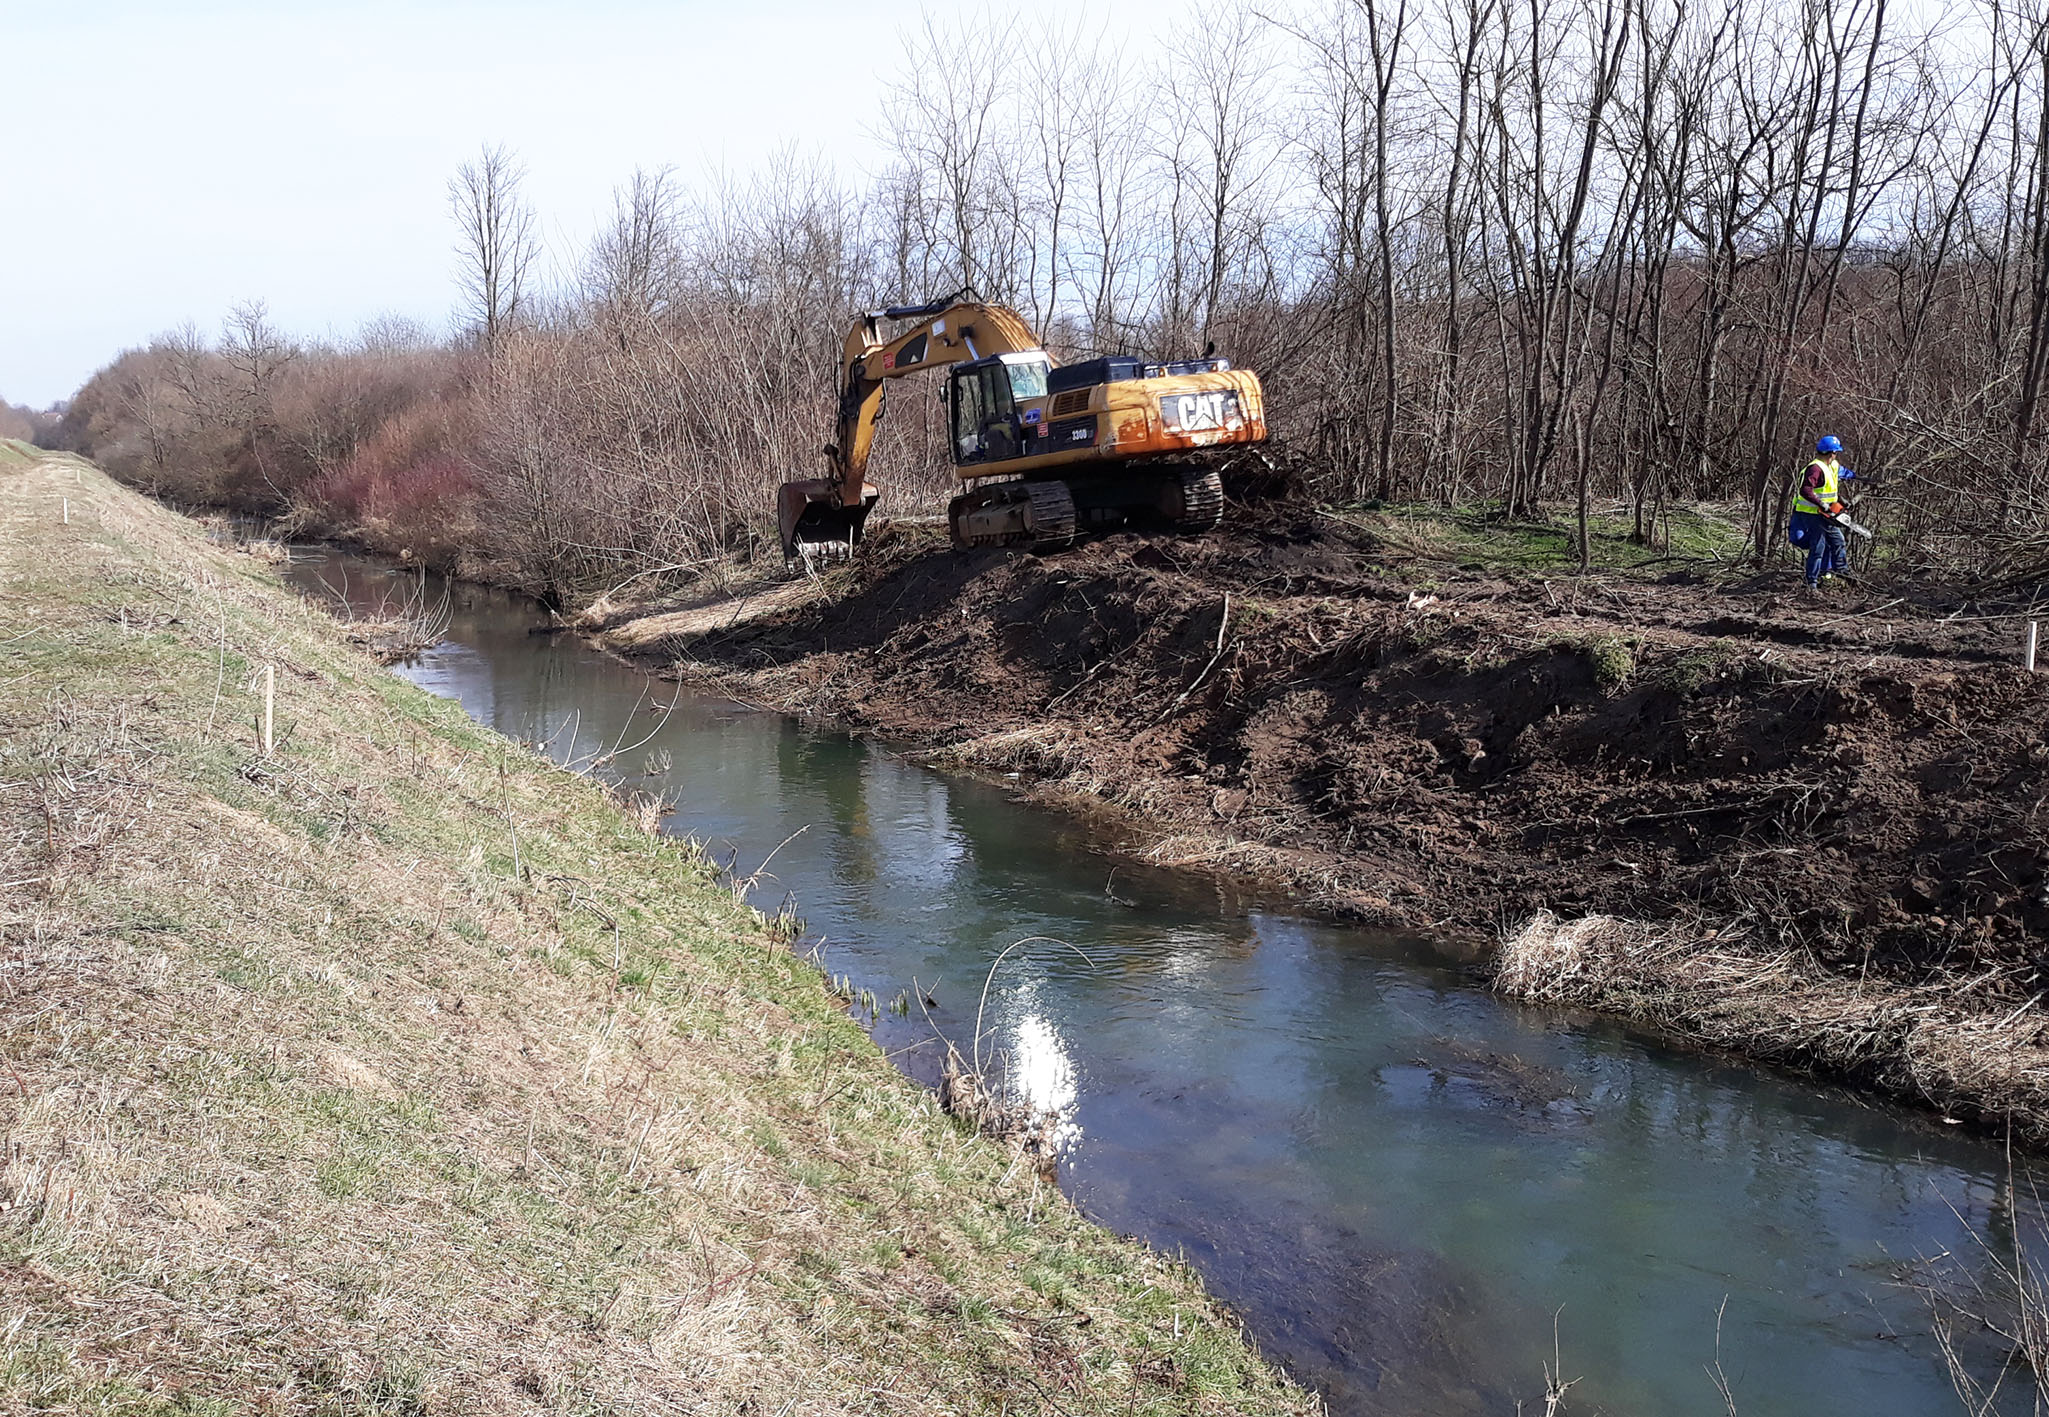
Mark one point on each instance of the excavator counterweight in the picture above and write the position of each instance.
(1047, 452)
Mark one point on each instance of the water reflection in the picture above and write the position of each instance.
(1400, 1181)
(1038, 1070)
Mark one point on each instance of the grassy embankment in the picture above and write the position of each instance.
(398, 1071)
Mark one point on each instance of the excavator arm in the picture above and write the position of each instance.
(834, 507)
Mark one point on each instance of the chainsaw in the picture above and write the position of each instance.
(1840, 515)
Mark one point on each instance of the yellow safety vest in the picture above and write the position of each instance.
(1830, 467)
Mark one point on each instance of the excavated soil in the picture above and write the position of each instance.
(1858, 776)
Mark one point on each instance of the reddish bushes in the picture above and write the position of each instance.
(409, 487)
(369, 441)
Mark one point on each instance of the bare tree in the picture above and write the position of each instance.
(631, 266)
(946, 118)
(496, 244)
(255, 353)
(1114, 187)
(1222, 145)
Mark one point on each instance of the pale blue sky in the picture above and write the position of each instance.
(165, 161)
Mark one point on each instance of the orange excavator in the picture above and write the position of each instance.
(1047, 451)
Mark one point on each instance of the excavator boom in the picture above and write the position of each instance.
(833, 508)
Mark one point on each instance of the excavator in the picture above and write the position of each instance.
(1047, 451)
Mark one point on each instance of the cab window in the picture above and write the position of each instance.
(985, 410)
(996, 402)
(1028, 381)
(999, 415)
(970, 408)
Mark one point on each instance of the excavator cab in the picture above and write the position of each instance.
(997, 407)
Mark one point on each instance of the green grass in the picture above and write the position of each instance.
(322, 1107)
(1613, 658)
(1480, 539)
(1693, 672)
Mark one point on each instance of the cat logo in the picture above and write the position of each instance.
(1205, 412)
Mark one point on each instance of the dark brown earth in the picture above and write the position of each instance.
(1860, 777)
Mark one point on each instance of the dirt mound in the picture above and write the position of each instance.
(1415, 744)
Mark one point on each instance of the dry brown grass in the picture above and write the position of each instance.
(630, 627)
(1989, 1308)
(1931, 1042)
(312, 1102)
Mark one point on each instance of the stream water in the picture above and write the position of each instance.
(1410, 1189)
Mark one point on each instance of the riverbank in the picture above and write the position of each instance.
(1837, 791)
(395, 1069)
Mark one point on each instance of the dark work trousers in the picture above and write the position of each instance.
(1828, 549)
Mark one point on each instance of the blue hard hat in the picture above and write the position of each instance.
(1829, 443)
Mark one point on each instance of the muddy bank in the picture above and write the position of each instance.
(1850, 780)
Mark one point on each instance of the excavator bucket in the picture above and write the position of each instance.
(809, 512)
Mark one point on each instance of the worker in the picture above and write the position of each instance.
(1816, 506)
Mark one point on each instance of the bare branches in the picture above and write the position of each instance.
(1519, 251)
(496, 241)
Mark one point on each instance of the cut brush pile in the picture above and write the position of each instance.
(396, 1071)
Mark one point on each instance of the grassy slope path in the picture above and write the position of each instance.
(309, 1104)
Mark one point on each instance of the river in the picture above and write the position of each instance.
(1416, 1193)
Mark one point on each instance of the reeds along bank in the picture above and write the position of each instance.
(1617, 249)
